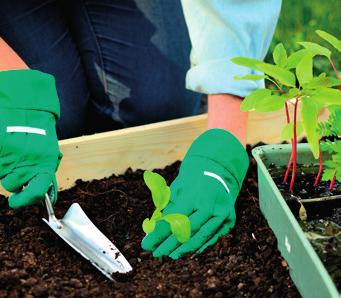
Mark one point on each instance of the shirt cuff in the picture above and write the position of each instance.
(217, 76)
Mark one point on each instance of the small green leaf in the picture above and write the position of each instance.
(288, 130)
(180, 226)
(328, 174)
(148, 225)
(293, 92)
(321, 81)
(284, 76)
(337, 149)
(247, 62)
(309, 114)
(295, 58)
(327, 96)
(270, 103)
(159, 189)
(251, 77)
(327, 146)
(280, 55)
(336, 43)
(157, 214)
(250, 101)
(316, 49)
(304, 69)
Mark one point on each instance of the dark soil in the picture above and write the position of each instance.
(323, 224)
(325, 236)
(304, 183)
(304, 190)
(34, 262)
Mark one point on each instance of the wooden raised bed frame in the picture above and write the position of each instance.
(147, 146)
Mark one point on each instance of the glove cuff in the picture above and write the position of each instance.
(222, 148)
(28, 89)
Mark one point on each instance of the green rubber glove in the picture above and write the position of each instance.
(205, 190)
(29, 150)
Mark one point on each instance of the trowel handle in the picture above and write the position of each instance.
(49, 207)
(50, 211)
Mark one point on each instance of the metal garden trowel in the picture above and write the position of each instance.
(76, 229)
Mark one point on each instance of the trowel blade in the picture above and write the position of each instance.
(83, 236)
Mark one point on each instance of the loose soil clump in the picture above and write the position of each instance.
(35, 262)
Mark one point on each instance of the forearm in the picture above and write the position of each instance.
(224, 112)
(9, 59)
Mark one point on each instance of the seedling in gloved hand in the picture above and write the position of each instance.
(179, 224)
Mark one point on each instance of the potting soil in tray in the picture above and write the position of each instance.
(323, 224)
(35, 262)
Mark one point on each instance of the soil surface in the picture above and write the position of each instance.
(323, 223)
(34, 262)
(304, 183)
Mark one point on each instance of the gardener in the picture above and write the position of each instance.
(123, 63)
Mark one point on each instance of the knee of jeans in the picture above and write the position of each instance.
(70, 127)
(159, 107)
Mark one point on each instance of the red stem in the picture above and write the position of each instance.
(294, 150)
(331, 186)
(285, 179)
(320, 169)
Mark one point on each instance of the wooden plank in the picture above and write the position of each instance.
(147, 146)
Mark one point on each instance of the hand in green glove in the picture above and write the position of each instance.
(205, 190)
(29, 151)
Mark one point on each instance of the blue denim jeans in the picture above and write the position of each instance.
(117, 63)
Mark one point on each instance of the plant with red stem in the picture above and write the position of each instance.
(294, 84)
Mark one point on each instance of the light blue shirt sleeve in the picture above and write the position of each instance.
(223, 29)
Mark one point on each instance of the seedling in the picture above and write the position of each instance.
(179, 224)
(292, 83)
(332, 129)
(332, 171)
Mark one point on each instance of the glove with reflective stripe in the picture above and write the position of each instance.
(205, 190)
(29, 150)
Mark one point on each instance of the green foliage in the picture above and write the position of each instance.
(299, 20)
(280, 55)
(316, 49)
(252, 77)
(304, 69)
(179, 224)
(293, 77)
(332, 128)
(321, 81)
(288, 130)
(326, 96)
(295, 58)
(262, 100)
(247, 62)
(282, 75)
(159, 189)
(336, 43)
(333, 165)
